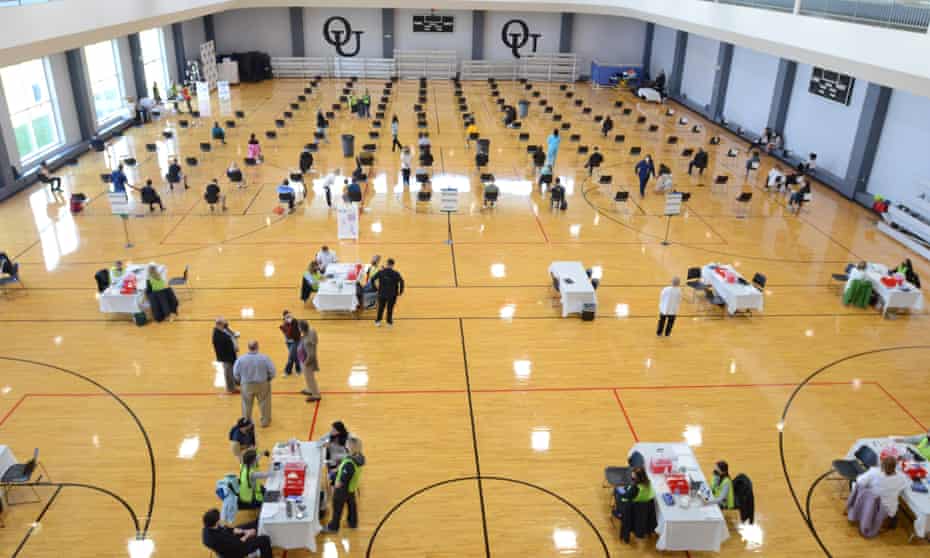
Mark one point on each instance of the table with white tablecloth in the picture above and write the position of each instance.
(575, 287)
(337, 292)
(903, 297)
(917, 502)
(113, 301)
(738, 296)
(649, 94)
(301, 528)
(7, 460)
(696, 526)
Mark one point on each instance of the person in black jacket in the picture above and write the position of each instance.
(594, 161)
(606, 126)
(225, 346)
(699, 161)
(306, 160)
(389, 285)
(233, 542)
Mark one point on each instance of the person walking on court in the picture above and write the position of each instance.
(307, 356)
(390, 285)
(645, 169)
(607, 125)
(321, 125)
(552, 147)
(291, 334)
(226, 348)
(345, 485)
(594, 161)
(668, 307)
(395, 129)
(305, 161)
(253, 372)
(405, 158)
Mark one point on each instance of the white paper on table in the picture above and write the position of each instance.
(688, 462)
(269, 511)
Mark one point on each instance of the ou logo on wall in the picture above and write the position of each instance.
(338, 32)
(517, 40)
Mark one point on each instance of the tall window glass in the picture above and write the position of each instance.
(106, 81)
(153, 60)
(28, 89)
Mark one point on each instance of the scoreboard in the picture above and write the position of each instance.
(433, 23)
(832, 85)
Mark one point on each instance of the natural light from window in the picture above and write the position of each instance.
(106, 81)
(33, 113)
(153, 60)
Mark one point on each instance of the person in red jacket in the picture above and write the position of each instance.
(291, 337)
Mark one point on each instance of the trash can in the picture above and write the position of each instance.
(587, 311)
(348, 145)
(524, 107)
(484, 146)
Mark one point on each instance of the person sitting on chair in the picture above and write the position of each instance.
(234, 174)
(213, 196)
(491, 192)
(594, 161)
(640, 489)
(775, 180)
(699, 161)
(251, 485)
(721, 487)
(797, 198)
(557, 192)
(254, 149)
(218, 133)
(510, 115)
(354, 192)
(286, 194)
(45, 177)
(242, 437)
(175, 176)
(471, 132)
(305, 161)
(233, 542)
(888, 483)
(365, 286)
(310, 282)
(149, 195)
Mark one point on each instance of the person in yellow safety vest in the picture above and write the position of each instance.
(251, 489)
(352, 103)
(921, 441)
(641, 489)
(116, 272)
(348, 476)
(722, 487)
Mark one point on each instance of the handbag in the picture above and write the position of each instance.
(301, 353)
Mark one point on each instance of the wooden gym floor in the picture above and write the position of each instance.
(479, 362)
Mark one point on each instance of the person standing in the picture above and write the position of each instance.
(395, 128)
(321, 125)
(186, 93)
(594, 161)
(699, 161)
(254, 372)
(669, 301)
(607, 125)
(405, 159)
(45, 177)
(305, 161)
(644, 169)
(226, 347)
(390, 285)
(307, 356)
(752, 163)
(552, 147)
(119, 180)
(345, 485)
(291, 336)
(242, 437)
(325, 257)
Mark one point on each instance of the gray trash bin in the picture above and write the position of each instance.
(524, 107)
(348, 145)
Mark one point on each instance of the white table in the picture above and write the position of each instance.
(293, 533)
(574, 286)
(919, 503)
(698, 527)
(7, 460)
(905, 297)
(112, 301)
(649, 94)
(737, 295)
(228, 70)
(337, 293)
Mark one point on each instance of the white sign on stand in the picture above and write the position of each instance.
(203, 91)
(119, 203)
(347, 220)
(673, 203)
(222, 90)
(449, 200)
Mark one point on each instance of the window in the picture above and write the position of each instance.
(153, 60)
(106, 81)
(28, 88)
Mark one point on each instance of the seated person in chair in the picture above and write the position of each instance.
(699, 161)
(251, 485)
(557, 193)
(721, 487)
(6, 264)
(233, 542)
(510, 115)
(664, 183)
(797, 197)
(471, 131)
(365, 286)
(175, 176)
(594, 161)
(213, 196)
(491, 192)
(310, 282)
(218, 133)
(150, 195)
(286, 194)
(641, 489)
(888, 483)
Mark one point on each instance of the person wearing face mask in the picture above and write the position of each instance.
(644, 169)
(226, 349)
(721, 486)
(291, 336)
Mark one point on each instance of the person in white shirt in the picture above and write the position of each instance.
(325, 257)
(775, 180)
(887, 482)
(668, 307)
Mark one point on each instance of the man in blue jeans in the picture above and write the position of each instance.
(119, 180)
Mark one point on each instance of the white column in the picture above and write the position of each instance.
(797, 7)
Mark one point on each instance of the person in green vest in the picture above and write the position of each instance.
(348, 476)
(162, 300)
(116, 272)
(366, 105)
(155, 281)
(251, 487)
(352, 103)
(641, 490)
(722, 487)
(921, 442)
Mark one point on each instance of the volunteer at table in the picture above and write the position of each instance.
(641, 489)
(242, 437)
(251, 485)
(722, 487)
(921, 442)
(348, 476)
(887, 482)
(116, 272)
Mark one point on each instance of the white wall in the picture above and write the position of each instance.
(824, 127)
(361, 19)
(459, 40)
(194, 36)
(125, 60)
(750, 89)
(549, 25)
(608, 39)
(697, 81)
(266, 30)
(663, 51)
(901, 162)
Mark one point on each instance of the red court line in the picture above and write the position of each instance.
(541, 228)
(316, 411)
(629, 423)
(892, 397)
(13, 408)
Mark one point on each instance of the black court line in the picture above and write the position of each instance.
(474, 442)
(706, 223)
(38, 520)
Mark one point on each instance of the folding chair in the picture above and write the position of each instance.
(622, 196)
(759, 281)
(183, 281)
(694, 282)
(13, 277)
(21, 474)
(720, 183)
(742, 204)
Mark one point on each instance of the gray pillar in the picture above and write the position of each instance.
(678, 63)
(868, 134)
(209, 34)
(80, 90)
(718, 97)
(177, 34)
(6, 167)
(138, 71)
(387, 32)
(297, 32)
(477, 34)
(565, 32)
(784, 83)
(647, 47)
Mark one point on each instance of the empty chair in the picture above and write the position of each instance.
(523, 136)
(130, 161)
(195, 113)
(693, 280)
(566, 125)
(759, 280)
(582, 149)
(641, 119)
(151, 147)
(636, 150)
(191, 161)
(374, 134)
(182, 281)
(627, 111)
(849, 469)
(654, 128)
(205, 147)
(742, 203)
(713, 298)
(271, 134)
(279, 123)
(13, 277)
(687, 152)
(184, 123)
(249, 161)
(619, 138)
(21, 474)
(167, 134)
(605, 180)
(230, 123)
(672, 140)
(240, 114)
(867, 456)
